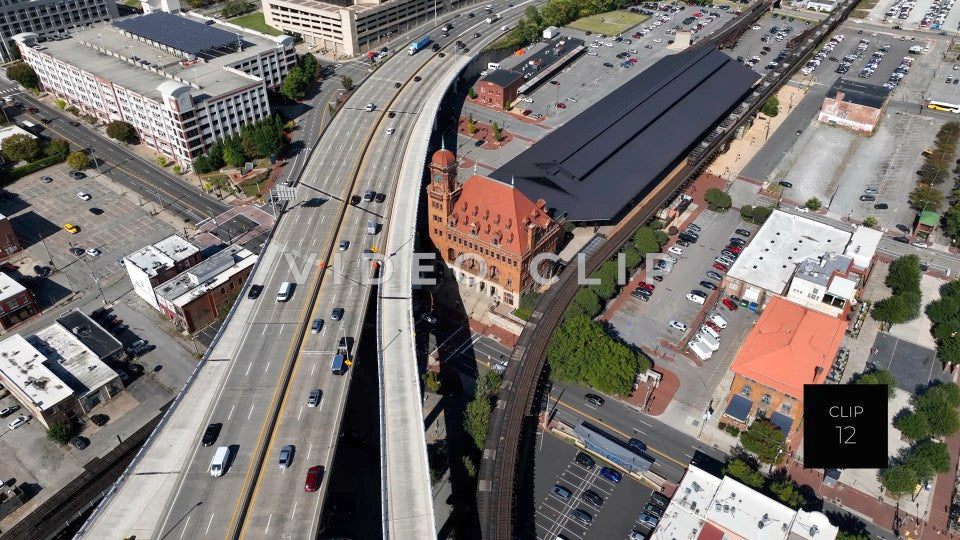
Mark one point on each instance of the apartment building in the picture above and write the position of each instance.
(181, 81)
(48, 18)
(350, 29)
(159, 262)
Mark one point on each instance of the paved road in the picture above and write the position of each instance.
(262, 340)
(671, 449)
(119, 164)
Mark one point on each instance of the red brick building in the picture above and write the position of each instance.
(16, 303)
(854, 105)
(9, 243)
(494, 223)
(499, 89)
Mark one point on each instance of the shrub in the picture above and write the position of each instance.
(718, 199)
(813, 203)
(78, 161)
(29, 168)
(771, 107)
(121, 131)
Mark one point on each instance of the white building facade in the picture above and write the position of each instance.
(47, 18)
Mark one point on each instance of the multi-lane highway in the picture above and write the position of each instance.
(259, 374)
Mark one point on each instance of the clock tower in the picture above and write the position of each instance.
(443, 189)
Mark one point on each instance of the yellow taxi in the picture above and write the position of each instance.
(71, 228)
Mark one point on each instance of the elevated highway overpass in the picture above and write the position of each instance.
(256, 378)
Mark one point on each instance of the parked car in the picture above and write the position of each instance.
(678, 325)
(136, 345)
(79, 442)
(592, 498)
(584, 460)
(721, 267)
(648, 520)
(612, 475)
(730, 304)
(560, 492)
(99, 419)
(7, 411)
(742, 232)
(581, 516)
(17, 422)
(593, 399)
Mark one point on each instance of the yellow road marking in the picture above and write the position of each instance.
(618, 432)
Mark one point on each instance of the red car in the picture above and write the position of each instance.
(720, 267)
(313, 479)
(712, 324)
(555, 83)
(561, 106)
(731, 305)
(645, 285)
(734, 249)
(34, 110)
(637, 35)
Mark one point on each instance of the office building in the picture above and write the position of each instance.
(345, 28)
(92, 381)
(181, 81)
(48, 18)
(157, 263)
(487, 231)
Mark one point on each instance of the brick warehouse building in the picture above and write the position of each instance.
(16, 302)
(854, 105)
(499, 88)
(9, 243)
(492, 220)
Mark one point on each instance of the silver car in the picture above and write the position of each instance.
(286, 456)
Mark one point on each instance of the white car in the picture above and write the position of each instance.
(17, 422)
(920, 244)
(803, 209)
(755, 27)
(676, 250)
(93, 252)
(719, 321)
(678, 325)
(84, 196)
(658, 40)
(391, 131)
(696, 299)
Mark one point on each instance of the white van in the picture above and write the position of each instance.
(712, 343)
(700, 350)
(218, 465)
(719, 321)
(696, 299)
(286, 290)
(371, 226)
(710, 332)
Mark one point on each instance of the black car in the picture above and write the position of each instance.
(391, 114)
(355, 200)
(653, 510)
(592, 498)
(77, 175)
(380, 197)
(785, 184)
(687, 237)
(881, 206)
(594, 400)
(739, 242)
(480, 143)
(581, 516)
(397, 85)
(683, 243)
(95, 211)
(80, 442)
(41, 271)
(210, 434)
(337, 313)
(607, 64)
(99, 419)
(584, 460)
(79, 252)
(901, 239)
(708, 285)
(658, 278)
(255, 291)
(742, 232)
(476, 35)
(903, 228)
(417, 78)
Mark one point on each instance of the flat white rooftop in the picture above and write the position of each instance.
(9, 287)
(863, 246)
(783, 242)
(22, 366)
(71, 360)
(688, 508)
(163, 254)
(207, 275)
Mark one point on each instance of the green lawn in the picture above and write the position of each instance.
(254, 21)
(132, 3)
(611, 24)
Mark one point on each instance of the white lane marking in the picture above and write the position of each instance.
(314, 368)
(249, 414)
(264, 332)
(229, 416)
(208, 524)
(248, 369)
(185, 523)
(299, 413)
(294, 511)
(266, 530)
(267, 367)
(309, 449)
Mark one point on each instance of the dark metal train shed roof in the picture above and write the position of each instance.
(616, 151)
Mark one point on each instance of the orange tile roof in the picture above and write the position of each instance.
(786, 346)
(498, 214)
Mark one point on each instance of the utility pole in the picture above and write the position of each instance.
(96, 279)
(49, 258)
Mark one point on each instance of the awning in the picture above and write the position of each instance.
(752, 294)
(782, 421)
(739, 408)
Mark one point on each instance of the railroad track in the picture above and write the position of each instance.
(513, 424)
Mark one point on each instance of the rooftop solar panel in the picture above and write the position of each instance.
(183, 34)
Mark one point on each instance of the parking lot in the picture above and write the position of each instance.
(622, 503)
(647, 323)
(118, 227)
(892, 10)
(762, 41)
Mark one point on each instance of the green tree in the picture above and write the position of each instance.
(477, 419)
(234, 8)
(347, 83)
(310, 66)
(607, 274)
(951, 226)
(586, 302)
(432, 381)
(21, 147)
(645, 240)
(78, 161)
(295, 84)
(926, 197)
(265, 138)
(934, 172)
(771, 107)
(761, 213)
(893, 310)
(661, 237)
(202, 165)
(742, 471)
(913, 425)
(581, 352)
(61, 104)
(813, 203)
(533, 15)
(162, 161)
(496, 132)
(23, 74)
(57, 148)
(879, 376)
(215, 153)
(904, 274)
(870, 222)
(60, 433)
(471, 93)
(471, 125)
(843, 535)
(935, 454)
(718, 199)
(765, 440)
(899, 480)
(786, 491)
(122, 131)
(233, 152)
(632, 256)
